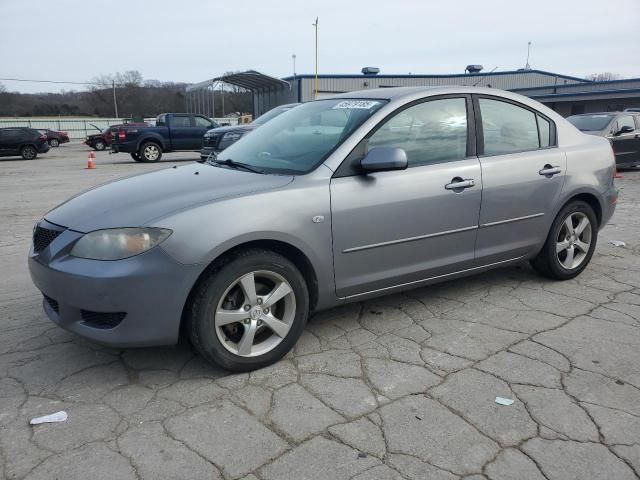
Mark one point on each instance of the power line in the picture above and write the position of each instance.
(105, 84)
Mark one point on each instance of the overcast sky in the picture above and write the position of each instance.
(193, 40)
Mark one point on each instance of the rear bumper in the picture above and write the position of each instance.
(128, 147)
(44, 148)
(142, 297)
(609, 207)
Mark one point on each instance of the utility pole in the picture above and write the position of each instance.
(293, 57)
(315, 89)
(115, 103)
(527, 66)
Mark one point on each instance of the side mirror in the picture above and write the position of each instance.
(625, 129)
(382, 159)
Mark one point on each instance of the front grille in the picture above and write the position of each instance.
(212, 140)
(52, 303)
(102, 320)
(42, 237)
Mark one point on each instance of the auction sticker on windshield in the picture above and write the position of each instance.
(353, 104)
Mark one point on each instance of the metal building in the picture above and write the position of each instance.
(564, 93)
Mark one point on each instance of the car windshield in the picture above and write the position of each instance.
(588, 123)
(273, 113)
(298, 140)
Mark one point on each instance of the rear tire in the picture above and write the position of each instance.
(150, 152)
(241, 331)
(54, 143)
(99, 145)
(570, 244)
(28, 152)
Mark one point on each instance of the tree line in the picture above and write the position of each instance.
(135, 96)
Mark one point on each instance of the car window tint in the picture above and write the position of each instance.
(180, 122)
(202, 122)
(507, 128)
(430, 132)
(544, 127)
(625, 121)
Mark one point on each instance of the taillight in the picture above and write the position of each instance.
(121, 134)
(43, 137)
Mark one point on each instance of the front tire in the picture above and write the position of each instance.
(99, 145)
(54, 143)
(150, 152)
(570, 244)
(249, 311)
(28, 152)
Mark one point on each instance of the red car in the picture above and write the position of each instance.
(55, 138)
(102, 140)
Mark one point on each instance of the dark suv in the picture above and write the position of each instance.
(25, 142)
(621, 128)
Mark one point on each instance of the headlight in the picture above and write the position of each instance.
(232, 136)
(118, 243)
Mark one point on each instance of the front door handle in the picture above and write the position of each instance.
(549, 171)
(458, 184)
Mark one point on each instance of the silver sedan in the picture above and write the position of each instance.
(337, 200)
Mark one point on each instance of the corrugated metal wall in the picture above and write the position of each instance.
(506, 81)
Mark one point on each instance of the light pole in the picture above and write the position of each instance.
(315, 89)
(293, 57)
(115, 103)
(527, 66)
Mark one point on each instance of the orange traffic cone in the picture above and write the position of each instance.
(90, 164)
(616, 174)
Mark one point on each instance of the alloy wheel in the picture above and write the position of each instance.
(151, 152)
(29, 153)
(574, 240)
(255, 313)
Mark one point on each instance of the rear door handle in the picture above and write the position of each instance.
(459, 184)
(549, 171)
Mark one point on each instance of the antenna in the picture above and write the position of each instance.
(527, 66)
(293, 57)
(481, 79)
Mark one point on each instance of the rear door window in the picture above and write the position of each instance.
(180, 122)
(507, 128)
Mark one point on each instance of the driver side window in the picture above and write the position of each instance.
(430, 132)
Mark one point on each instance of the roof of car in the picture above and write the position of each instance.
(395, 93)
(604, 113)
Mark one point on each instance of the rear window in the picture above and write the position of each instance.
(589, 123)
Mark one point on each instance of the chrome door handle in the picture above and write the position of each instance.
(458, 183)
(549, 171)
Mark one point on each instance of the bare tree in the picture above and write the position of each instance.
(604, 77)
(3, 89)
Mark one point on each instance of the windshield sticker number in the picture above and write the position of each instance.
(355, 104)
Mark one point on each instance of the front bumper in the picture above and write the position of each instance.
(206, 151)
(142, 295)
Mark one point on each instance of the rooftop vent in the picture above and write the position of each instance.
(370, 70)
(474, 68)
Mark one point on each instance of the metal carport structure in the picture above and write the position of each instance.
(267, 92)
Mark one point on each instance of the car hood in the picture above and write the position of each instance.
(231, 128)
(137, 200)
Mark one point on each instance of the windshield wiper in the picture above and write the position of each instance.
(239, 165)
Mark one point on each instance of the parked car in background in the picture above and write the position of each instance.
(172, 132)
(218, 139)
(22, 141)
(632, 109)
(102, 140)
(55, 138)
(338, 200)
(621, 128)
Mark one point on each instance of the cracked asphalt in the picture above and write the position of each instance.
(401, 387)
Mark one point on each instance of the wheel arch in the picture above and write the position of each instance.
(151, 139)
(286, 249)
(589, 198)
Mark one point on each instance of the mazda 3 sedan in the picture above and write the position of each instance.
(337, 200)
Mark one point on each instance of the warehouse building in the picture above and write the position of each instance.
(566, 94)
